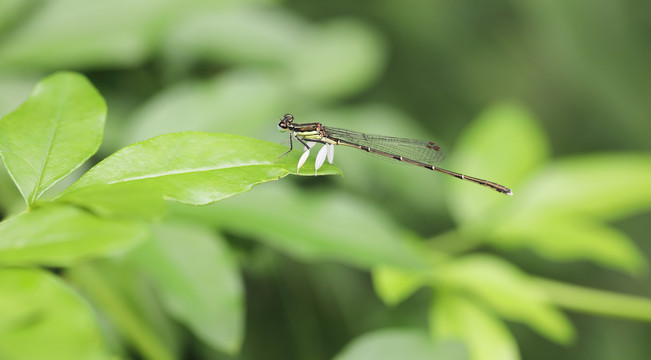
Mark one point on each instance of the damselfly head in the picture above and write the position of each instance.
(285, 121)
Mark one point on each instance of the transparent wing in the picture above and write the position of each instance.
(422, 151)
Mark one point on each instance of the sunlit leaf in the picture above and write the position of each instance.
(571, 237)
(63, 235)
(391, 344)
(596, 301)
(301, 223)
(560, 212)
(606, 186)
(394, 285)
(456, 318)
(198, 281)
(508, 291)
(58, 128)
(42, 318)
(195, 168)
(504, 145)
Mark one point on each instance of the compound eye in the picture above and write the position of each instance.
(288, 117)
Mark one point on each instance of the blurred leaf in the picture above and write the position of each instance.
(508, 291)
(10, 199)
(606, 186)
(12, 12)
(595, 301)
(118, 200)
(456, 318)
(193, 167)
(198, 281)
(127, 307)
(315, 226)
(221, 104)
(503, 287)
(341, 59)
(504, 145)
(14, 89)
(58, 128)
(326, 62)
(42, 318)
(77, 33)
(572, 238)
(63, 235)
(391, 344)
(394, 285)
(551, 214)
(238, 35)
(560, 211)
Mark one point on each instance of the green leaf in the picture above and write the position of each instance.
(10, 199)
(504, 145)
(14, 89)
(501, 286)
(61, 235)
(42, 318)
(58, 128)
(118, 200)
(130, 309)
(81, 34)
(218, 104)
(599, 302)
(391, 344)
(456, 318)
(12, 11)
(606, 186)
(561, 212)
(315, 226)
(508, 291)
(394, 285)
(237, 35)
(198, 282)
(572, 238)
(341, 59)
(325, 62)
(195, 168)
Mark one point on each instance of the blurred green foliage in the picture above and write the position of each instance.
(102, 219)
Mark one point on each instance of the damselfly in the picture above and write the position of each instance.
(416, 152)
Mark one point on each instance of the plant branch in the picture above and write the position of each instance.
(598, 302)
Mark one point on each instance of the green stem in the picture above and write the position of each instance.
(149, 345)
(597, 301)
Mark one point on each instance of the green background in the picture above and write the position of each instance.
(550, 98)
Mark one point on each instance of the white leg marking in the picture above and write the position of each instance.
(302, 160)
(320, 158)
(331, 152)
